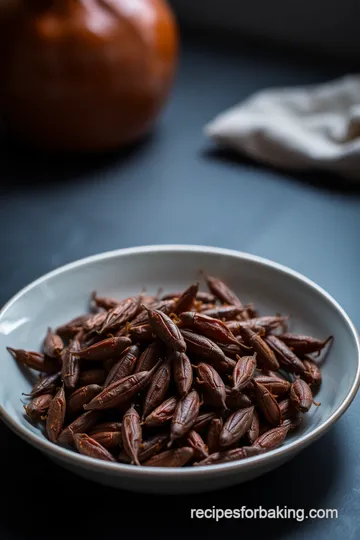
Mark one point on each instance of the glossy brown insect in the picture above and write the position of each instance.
(89, 447)
(213, 435)
(158, 387)
(166, 330)
(186, 299)
(231, 455)
(268, 404)
(123, 312)
(108, 439)
(265, 357)
(70, 369)
(166, 306)
(53, 344)
(288, 360)
(45, 385)
(37, 408)
(254, 429)
(209, 327)
(82, 424)
(56, 415)
(273, 438)
(195, 441)
(276, 385)
(203, 347)
(301, 396)
(81, 397)
(301, 345)
(312, 373)
(212, 384)
(121, 391)
(185, 415)
(203, 420)
(124, 366)
(235, 426)
(34, 360)
(222, 291)
(149, 357)
(153, 445)
(171, 458)
(131, 434)
(243, 371)
(104, 349)
(266, 324)
(182, 372)
(162, 414)
(224, 313)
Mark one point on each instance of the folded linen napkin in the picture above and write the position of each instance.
(309, 127)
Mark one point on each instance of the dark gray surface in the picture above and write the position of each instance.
(173, 188)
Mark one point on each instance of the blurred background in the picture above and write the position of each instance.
(315, 27)
(137, 98)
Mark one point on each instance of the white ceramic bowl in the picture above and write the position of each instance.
(64, 293)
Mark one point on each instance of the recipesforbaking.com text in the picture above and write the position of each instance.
(298, 514)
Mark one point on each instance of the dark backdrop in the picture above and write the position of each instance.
(317, 26)
(176, 187)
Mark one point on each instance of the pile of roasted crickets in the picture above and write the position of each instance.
(192, 378)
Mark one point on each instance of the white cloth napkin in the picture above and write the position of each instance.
(309, 127)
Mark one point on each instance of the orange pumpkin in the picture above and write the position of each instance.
(86, 75)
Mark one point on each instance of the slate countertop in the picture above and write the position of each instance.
(176, 188)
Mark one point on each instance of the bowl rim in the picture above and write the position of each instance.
(151, 473)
